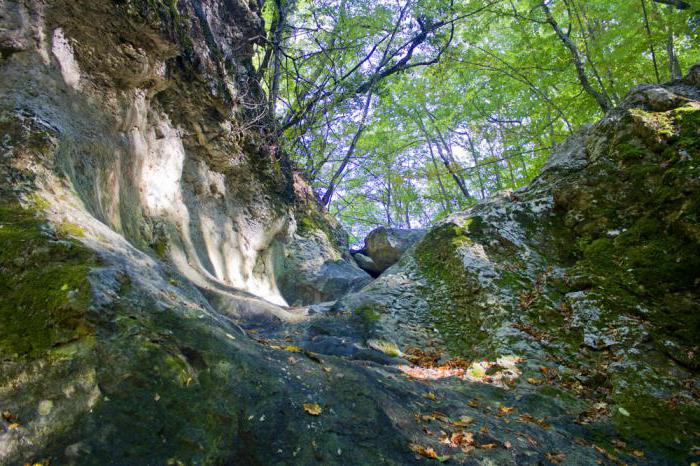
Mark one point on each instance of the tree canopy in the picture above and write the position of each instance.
(399, 112)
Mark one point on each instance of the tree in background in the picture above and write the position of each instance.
(403, 111)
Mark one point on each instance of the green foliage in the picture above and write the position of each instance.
(486, 112)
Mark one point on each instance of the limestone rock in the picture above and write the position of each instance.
(590, 272)
(366, 263)
(385, 246)
(314, 270)
(160, 239)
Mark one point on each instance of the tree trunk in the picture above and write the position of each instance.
(277, 55)
(603, 102)
(674, 67)
(472, 149)
(445, 198)
(328, 195)
(651, 40)
(445, 161)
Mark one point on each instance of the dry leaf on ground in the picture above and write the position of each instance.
(313, 409)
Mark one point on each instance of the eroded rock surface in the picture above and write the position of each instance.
(384, 247)
(151, 235)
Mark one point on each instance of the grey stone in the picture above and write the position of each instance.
(385, 246)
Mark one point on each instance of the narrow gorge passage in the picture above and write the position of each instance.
(340, 232)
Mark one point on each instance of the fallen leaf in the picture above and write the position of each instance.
(503, 410)
(313, 356)
(313, 409)
(507, 445)
(484, 430)
(473, 403)
(619, 443)
(534, 381)
(556, 458)
(427, 452)
(476, 371)
(468, 449)
(488, 446)
(292, 349)
(463, 439)
(463, 421)
(14, 426)
(638, 454)
(526, 417)
(9, 416)
(431, 396)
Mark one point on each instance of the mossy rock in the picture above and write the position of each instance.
(663, 425)
(451, 290)
(367, 316)
(44, 289)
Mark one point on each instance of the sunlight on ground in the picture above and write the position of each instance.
(502, 372)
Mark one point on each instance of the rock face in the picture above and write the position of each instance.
(152, 124)
(591, 273)
(384, 247)
(151, 234)
(312, 270)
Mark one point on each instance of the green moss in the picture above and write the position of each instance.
(71, 229)
(39, 202)
(688, 122)
(387, 347)
(165, 14)
(311, 221)
(451, 290)
(628, 152)
(662, 425)
(44, 290)
(652, 201)
(161, 246)
(660, 123)
(305, 225)
(367, 314)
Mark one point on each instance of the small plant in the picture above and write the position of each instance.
(387, 347)
(71, 229)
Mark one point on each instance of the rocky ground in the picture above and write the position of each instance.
(153, 240)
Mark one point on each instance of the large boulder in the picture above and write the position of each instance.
(311, 267)
(385, 246)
